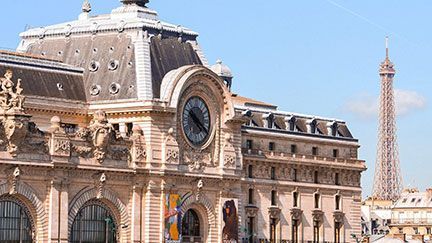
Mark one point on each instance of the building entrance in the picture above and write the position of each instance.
(191, 227)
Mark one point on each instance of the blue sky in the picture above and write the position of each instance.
(317, 57)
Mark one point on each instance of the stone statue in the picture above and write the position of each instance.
(10, 96)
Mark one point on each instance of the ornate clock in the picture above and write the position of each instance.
(196, 121)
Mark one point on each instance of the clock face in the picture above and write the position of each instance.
(196, 121)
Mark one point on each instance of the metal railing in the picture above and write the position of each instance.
(400, 221)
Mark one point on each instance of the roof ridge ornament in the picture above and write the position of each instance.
(141, 3)
(86, 7)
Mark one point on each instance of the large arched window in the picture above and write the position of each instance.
(94, 223)
(15, 223)
(190, 226)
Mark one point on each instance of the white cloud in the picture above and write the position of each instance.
(366, 106)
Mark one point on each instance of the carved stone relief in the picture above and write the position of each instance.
(229, 154)
(171, 148)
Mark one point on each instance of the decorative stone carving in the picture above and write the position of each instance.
(317, 215)
(11, 97)
(101, 185)
(338, 216)
(100, 134)
(251, 211)
(274, 212)
(170, 148)
(139, 149)
(229, 154)
(14, 181)
(200, 186)
(15, 131)
(62, 147)
(296, 213)
(197, 160)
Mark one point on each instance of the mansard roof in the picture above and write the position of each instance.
(259, 112)
(43, 77)
(130, 49)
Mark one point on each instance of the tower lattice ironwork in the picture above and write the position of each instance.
(388, 179)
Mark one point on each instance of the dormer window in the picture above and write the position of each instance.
(292, 124)
(270, 121)
(313, 126)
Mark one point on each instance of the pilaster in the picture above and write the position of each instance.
(58, 212)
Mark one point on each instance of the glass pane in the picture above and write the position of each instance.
(95, 224)
(15, 226)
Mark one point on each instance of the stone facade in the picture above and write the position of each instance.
(86, 140)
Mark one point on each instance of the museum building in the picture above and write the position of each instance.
(114, 128)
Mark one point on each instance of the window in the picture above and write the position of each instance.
(295, 224)
(293, 148)
(251, 230)
(295, 199)
(337, 179)
(116, 127)
(313, 126)
(316, 231)
(190, 225)
(129, 128)
(416, 231)
(404, 200)
(316, 177)
(292, 124)
(315, 151)
(337, 232)
(273, 230)
(271, 146)
(94, 221)
(249, 144)
(251, 195)
(250, 171)
(317, 200)
(273, 197)
(337, 202)
(335, 153)
(15, 224)
(69, 128)
(413, 200)
(273, 173)
(428, 230)
(270, 121)
(294, 174)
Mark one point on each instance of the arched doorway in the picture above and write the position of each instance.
(191, 227)
(94, 223)
(15, 223)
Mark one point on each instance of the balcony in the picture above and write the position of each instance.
(411, 221)
(273, 155)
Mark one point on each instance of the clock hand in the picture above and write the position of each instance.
(195, 119)
(198, 122)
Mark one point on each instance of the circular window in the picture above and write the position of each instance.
(95, 90)
(113, 65)
(94, 66)
(114, 88)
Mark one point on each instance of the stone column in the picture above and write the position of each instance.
(58, 212)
